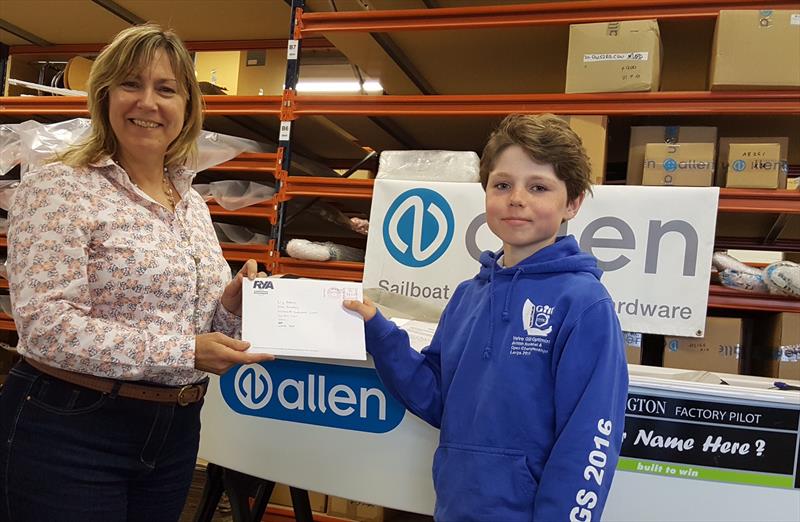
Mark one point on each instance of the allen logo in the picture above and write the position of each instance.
(328, 395)
(418, 227)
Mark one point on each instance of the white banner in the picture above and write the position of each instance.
(654, 245)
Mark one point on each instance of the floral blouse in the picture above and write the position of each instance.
(106, 281)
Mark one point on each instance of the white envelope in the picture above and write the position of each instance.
(302, 318)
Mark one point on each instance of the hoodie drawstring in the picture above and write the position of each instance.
(506, 316)
(487, 350)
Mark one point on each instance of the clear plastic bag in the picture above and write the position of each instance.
(214, 148)
(429, 165)
(227, 233)
(7, 189)
(235, 194)
(32, 143)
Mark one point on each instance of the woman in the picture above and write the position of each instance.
(122, 300)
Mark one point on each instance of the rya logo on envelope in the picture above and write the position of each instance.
(343, 397)
(263, 285)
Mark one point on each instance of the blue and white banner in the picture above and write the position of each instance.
(654, 245)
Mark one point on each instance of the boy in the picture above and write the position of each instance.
(526, 374)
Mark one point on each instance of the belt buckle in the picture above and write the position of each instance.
(182, 401)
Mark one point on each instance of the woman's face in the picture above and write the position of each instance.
(147, 109)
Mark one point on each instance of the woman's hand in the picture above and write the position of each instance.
(366, 309)
(232, 295)
(216, 353)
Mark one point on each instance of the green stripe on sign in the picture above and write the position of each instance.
(700, 473)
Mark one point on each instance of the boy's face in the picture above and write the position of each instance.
(525, 204)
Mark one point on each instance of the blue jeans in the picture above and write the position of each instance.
(68, 453)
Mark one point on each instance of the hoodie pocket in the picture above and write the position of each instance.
(482, 483)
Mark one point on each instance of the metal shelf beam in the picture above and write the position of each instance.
(612, 104)
(553, 13)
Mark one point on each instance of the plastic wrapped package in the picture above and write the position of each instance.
(235, 194)
(783, 278)
(429, 165)
(227, 233)
(313, 251)
(747, 281)
(359, 225)
(7, 189)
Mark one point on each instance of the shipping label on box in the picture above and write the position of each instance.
(641, 136)
(718, 351)
(723, 161)
(756, 49)
(686, 164)
(754, 165)
(614, 57)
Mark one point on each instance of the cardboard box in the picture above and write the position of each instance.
(592, 131)
(680, 164)
(754, 165)
(777, 346)
(633, 347)
(723, 161)
(243, 73)
(756, 50)
(718, 351)
(283, 497)
(641, 136)
(342, 507)
(614, 57)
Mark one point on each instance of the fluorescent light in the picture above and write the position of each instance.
(373, 86)
(338, 86)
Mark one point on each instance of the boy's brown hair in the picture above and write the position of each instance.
(546, 139)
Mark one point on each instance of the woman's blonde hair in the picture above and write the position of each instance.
(130, 51)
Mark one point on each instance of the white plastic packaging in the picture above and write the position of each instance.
(429, 165)
(313, 251)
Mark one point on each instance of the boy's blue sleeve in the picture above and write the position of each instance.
(412, 377)
(591, 388)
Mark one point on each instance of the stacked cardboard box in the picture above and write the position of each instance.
(744, 148)
(756, 50)
(717, 351)
(642, 136)
(614, 57)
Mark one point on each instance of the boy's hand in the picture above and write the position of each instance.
(366, 309)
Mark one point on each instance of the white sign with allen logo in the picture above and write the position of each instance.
(302, 318)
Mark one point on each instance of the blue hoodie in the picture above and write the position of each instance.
(527, 380)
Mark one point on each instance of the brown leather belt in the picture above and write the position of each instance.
(183, 395)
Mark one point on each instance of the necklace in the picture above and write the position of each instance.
(166, 186)
(168, 191)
